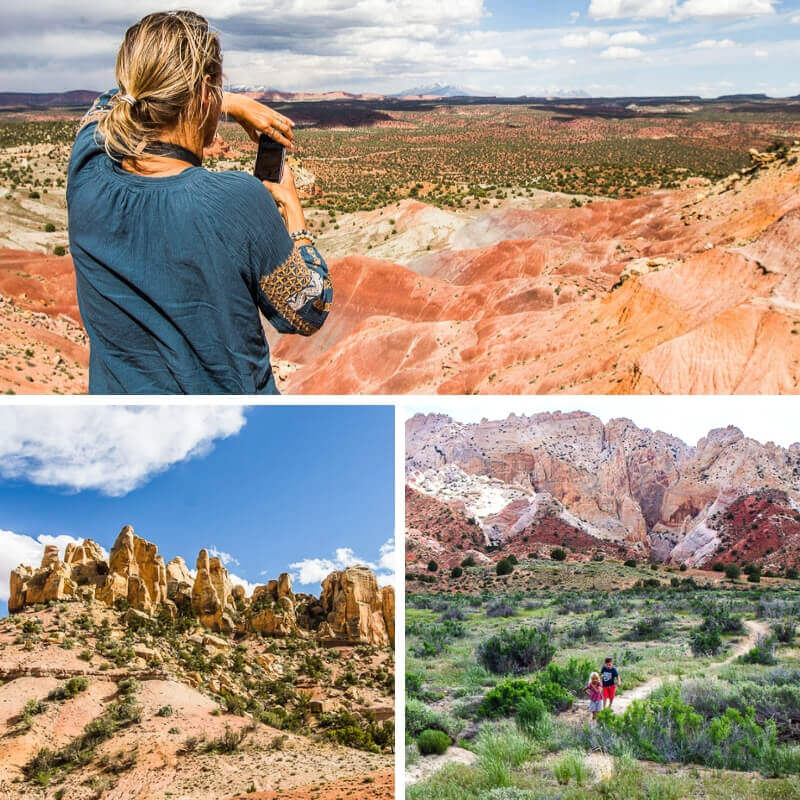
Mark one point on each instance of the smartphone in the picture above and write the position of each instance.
(269, 161)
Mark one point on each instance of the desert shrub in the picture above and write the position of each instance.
(413, 683)
(754, 577)
(705, 642)
(571, 766)
(433, 742)
(665, 728)
(558, 554)
(504, 567)
(453, 613)
(784, 630)
(432, 566)
(164, 711)
(573, 676)
(720, 616)
(762, 653)
(435, 636)
(630, 562)
(792, 573)
(499, 608)
(683, 568)
(651, 626)
(732, 571)
(718, 566)
(229, 742)
(573, 604)
(501, 748)
(419, 718)
(589, 629)
(71, 688)
(456, 572)
(469, 561)
(509, 696)
(530, 713)
(516, 651)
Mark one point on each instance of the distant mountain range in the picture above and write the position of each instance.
(77, 97)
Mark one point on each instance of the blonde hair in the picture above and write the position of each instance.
(593, 676)
(161, 66)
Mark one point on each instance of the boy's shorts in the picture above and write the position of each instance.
(608, 692)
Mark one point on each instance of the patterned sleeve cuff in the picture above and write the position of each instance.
(300, 291)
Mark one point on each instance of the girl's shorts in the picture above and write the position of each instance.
(595, 705)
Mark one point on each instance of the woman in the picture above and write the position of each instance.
(172, 262)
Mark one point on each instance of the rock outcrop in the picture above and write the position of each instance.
(212, 594)
(351, 611)
(356, 608)
(273, 610)
(569, 480)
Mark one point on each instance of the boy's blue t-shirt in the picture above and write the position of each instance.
(172, 272)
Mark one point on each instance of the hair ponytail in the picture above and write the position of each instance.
(161, 67)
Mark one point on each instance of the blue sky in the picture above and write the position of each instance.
(303, 489)
(603, 47)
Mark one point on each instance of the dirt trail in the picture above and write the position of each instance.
(581, 708)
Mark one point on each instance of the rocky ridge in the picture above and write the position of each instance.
(352, 608)
(614, 488)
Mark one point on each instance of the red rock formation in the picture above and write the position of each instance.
(568, 480)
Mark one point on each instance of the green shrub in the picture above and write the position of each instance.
(718, 566)
(571, 766)
(784, 630)
(469, 561)
(432, 566)
(504, 567)
(558, 554)
(651, 626)
(71, 688)
(456, 572)
(732, 571)
(762, 653)
(509, 696)
(516, 651)
(530, 713)
(572, 676)
(431, 742)
(630, 562)
(705, 642)
(792, 573)
(164, 711)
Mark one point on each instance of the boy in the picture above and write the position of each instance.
(610, 678)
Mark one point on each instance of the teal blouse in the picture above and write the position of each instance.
(172, 272)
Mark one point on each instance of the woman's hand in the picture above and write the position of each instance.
(288, 202)
(257, 118)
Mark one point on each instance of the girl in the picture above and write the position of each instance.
(595, 691)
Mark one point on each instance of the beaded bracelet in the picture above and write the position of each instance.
(302, 234)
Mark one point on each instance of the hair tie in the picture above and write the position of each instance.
(127, 98)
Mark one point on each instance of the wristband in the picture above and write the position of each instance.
(302, 234)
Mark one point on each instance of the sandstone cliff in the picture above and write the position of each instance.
(554, 478)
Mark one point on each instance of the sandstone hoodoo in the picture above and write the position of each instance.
(352, 609)
(528, 485)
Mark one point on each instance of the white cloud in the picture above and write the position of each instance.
(690, 9)
(621, 53)
(237, 581)
(758, 53)
(616, 9)
(112, 449)
(16, 549)
(598, 38)
(723, 9)
(713, 44)
(574, 16)
(315, 570)
(795, 20)
(225, 558)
